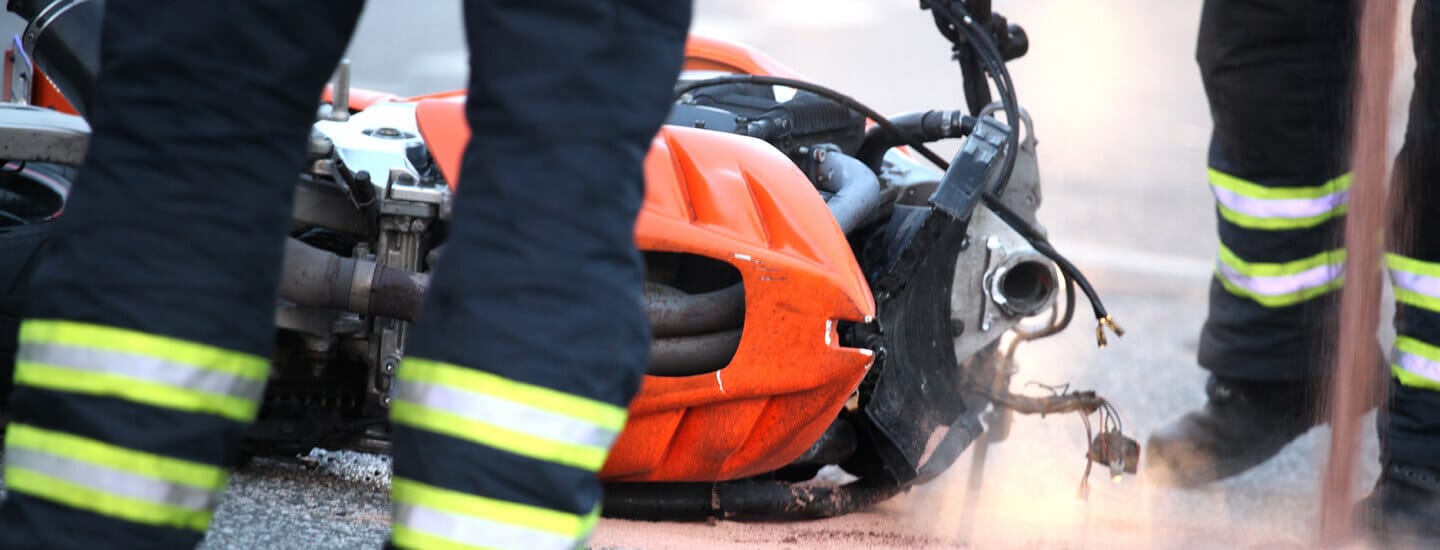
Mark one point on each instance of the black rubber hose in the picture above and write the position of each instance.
(397, 294)
(928, 126)
(855, 189)
(741, 500)
(319, 278)
(674, 312)
(691, 355)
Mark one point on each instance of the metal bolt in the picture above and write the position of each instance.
(819, 154)
(387, 132)
(388, 367)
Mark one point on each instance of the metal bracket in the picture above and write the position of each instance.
(22, 72)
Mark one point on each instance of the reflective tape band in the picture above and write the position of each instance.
(485, 408)
(147, 369)
(426, 527)
(1255, 206)
(1281, 284)
(1417, 364)
(495, 436)
(598, 413)
(514, 417)
(110, 480)
(113, 482)
(80, 497)
(1417, 283)
(432, 517)
(144, 367)
(160, 347)
(39, 375)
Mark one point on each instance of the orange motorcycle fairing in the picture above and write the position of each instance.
(741, 201)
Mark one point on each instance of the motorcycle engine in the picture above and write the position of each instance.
(371, 193)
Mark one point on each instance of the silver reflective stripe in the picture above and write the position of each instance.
(1418, 365)
(1429, 286)
(506, 413)
(476, 531)
(1279, 208)
(1283, 284)
(143, 367)
(112, 481)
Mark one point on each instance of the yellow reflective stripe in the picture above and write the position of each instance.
(405, 537)
(512, 513)
(594, 412)
(1280, 300)
(1412, 380)
(128, 341)
(1412, 298)
(184, 472)
(1412, 265)
(55, 378)
(498, 437)
(1417, 347)
(22, 481)
(1257, 191)
(1260, 269)
(1279, 224)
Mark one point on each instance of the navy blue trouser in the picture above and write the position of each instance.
(151, 314)
(1278, 75)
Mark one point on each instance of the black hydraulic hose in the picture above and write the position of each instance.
(854, 187)
(314, 277)
(817, 89)
(928, 126)
(691, 355)
(674, 312)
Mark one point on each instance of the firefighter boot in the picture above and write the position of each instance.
(1243, 424)
(1404, 507)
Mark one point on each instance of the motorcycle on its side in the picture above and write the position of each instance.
(825, 291)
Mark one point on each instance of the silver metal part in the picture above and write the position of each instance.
(43, 20)
(360, 147)
(22, 70)
(42, 135)
(340, 93)
(978, 298)
(1022, 194)
(360, 284)
(398, 247)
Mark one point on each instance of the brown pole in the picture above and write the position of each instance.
(1354, 379)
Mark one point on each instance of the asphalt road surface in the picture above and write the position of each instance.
(1123, 127)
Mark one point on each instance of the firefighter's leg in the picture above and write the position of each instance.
(532, 339)
(150, 319)
(1407, 496)
(1277, 75)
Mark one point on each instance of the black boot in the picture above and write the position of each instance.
(1404, 507)
(1243, 424)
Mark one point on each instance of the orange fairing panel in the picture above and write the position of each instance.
(710, 54)
(739, 200)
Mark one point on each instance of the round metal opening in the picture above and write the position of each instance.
(1027, 287)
